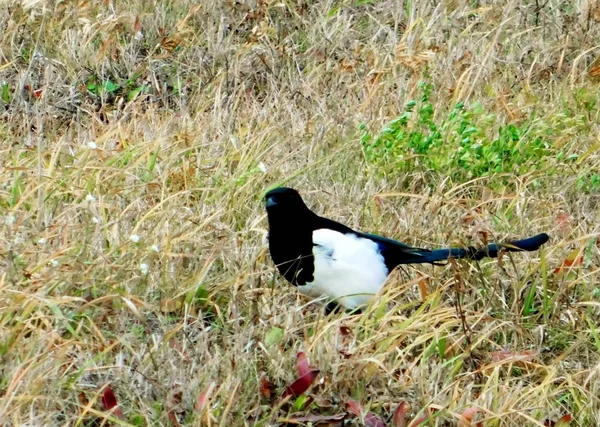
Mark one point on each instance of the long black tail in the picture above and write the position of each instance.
(491, 251)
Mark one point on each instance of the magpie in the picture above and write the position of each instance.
(324, 258)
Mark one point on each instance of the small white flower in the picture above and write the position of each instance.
(248, 346)
(95, 220)
(134, 238)
(262, 167)
(42, 241)
(9, 219)
(144, 268)
(54, 263)
(92, 145)
(90, 198)
(155, 248)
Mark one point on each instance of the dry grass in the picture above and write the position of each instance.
(131, 242)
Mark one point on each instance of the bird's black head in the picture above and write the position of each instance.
(285, 208)
(284, 199)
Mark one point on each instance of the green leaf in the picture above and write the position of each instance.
(274, 336)
(300, 402)
(5, 93)
(134, 93)
(152, 161)
(441, 347)
(528, 306)
(110, 87)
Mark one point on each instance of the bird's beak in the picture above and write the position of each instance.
(271, 202)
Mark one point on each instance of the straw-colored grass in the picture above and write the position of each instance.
(137, 140)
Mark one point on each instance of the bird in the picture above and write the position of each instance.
(326, 259)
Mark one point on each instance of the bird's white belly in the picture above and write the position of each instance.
(348, 269)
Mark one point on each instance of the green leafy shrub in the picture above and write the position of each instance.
(468, 143)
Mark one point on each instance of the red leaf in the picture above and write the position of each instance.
(469, 413)
(423, 418)
(302, 365)
(173, 419)
(266, 386)
(355, 408)
(574, 258)
(419, 420)
(370, 419)
(301, 384)
(345, 331)
(204, 396)
(110, 403)
(83, 400)
(399, 415)
(109, 400)
(137, 26)
(565, 420)
(467, 416)
(423, 284)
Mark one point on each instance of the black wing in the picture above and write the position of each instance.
(393, 252)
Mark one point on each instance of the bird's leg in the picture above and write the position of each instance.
(333, 307)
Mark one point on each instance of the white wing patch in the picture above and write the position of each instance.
(348, 269)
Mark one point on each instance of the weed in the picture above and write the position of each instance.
(469, 143)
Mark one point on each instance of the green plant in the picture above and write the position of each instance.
(467, 143)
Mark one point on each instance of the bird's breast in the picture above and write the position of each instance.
(292, 254)
(347, 268)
